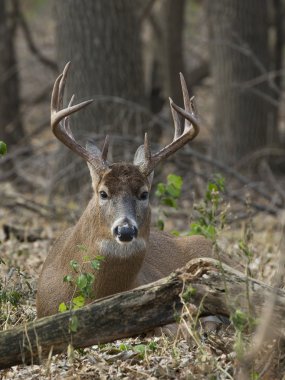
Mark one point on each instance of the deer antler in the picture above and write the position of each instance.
(181, 137)
(60, 123)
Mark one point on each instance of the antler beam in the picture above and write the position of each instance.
(181, 135)
(60, 123)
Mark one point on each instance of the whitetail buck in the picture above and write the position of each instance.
(116, 222)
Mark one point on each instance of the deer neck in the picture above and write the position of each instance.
(122, 261)
(119, 268)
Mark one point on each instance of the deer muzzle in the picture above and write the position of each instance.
(125, 231)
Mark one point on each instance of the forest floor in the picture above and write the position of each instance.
(200, 355)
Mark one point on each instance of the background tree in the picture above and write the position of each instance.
(102, 39)
(164, 50)
(245, 111)
(11, 127)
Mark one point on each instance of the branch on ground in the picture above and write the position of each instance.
(139, 310)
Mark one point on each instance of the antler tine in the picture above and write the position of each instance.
(147, 151)
(186, 99)
(176, 121)
(62, 85)
(105, 148)
(54, 95)
(193, 121)
(191, 130)
(66, 123)
(62, 129)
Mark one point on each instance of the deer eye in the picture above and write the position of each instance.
(103, 195)
(144, 196)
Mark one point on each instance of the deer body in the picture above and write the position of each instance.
(116, 222)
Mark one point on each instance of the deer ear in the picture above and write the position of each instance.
(140, 159)
(92, 148)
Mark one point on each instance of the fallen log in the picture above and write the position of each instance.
(136, 311)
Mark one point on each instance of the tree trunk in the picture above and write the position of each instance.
(244, 103)
(173, 60)
(102, 39)
(11, 128)
(136, 311)
(165, 52)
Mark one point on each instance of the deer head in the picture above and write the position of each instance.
(121, 190)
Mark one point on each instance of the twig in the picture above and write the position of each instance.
(233, 195)
(272, 180)
(261, 153)
(31, 44)
(228, 170)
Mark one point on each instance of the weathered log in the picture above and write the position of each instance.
(136, 311)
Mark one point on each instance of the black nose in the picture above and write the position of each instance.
(125, 232)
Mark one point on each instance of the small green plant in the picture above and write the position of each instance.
(188, 293)
(141, 349)
(243, 323)
(82, 281)
(168, 193)
(211, 210)
(3, 148)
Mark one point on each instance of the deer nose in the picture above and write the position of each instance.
(125, 232)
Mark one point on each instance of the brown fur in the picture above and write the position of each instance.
(153, 255)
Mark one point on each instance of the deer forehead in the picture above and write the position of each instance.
(124, 178)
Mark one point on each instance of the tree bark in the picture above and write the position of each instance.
(165, 52)
(11, 127)
(136, 311)
(174, 58)
(102, 39)
(245, 105)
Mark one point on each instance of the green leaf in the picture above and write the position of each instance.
(141, 349)
(160, 224)
(188, 293)
(100, 257)
(239, 319)
(81, 281)
(3, 148)
(73, 323)
(95, 264)
(124, 347)
(175, 180)
(67, 278)
(74, 265)
(209, 231)
(62, 307)
(173, 191)
(78, 302)
(169, 202)
(86, 258)
(152, 346)
(160, 189)
(90, 278)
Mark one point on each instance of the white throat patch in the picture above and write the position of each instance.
(113, 248)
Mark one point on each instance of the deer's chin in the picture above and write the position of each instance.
(116, 248)
(125, 242)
